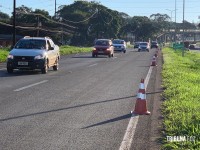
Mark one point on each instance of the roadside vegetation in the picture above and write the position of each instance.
(3, 54)
(64, 50)
(181, 81)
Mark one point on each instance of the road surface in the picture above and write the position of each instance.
(84, 105)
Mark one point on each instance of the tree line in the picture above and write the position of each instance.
(82, 22)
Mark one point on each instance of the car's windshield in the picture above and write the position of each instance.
(143, 44)
(31, 44)
(102, 43)
(118, 42)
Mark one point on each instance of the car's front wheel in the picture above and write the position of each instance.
(55, 67)
(9, 70)
(93, 55)
(44, 70)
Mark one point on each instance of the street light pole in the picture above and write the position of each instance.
(55, 7)
(14, 23)
(171, 14)
(170, 21)
(183, 27)
(175, 23)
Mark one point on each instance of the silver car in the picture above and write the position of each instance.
(143, 46)
(119, 45)
(32, 53)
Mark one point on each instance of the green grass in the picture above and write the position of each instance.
(64, 50)
(3, 54)
(181, 108)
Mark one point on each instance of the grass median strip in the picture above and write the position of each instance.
(64, 50)
(181, 108)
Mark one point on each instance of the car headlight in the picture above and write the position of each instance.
(39, 57)
(10, 56)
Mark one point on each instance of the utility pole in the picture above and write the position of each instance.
(14, 23)
(39, 24)
(55, 8)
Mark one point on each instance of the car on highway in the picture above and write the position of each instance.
(136, 44)
(143, 46)
(33, 53)
(119, 45)
(103, 47)
(154, 44)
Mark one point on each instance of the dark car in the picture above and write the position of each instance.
(33, 53)
(136, 44)
(103, 47)
(154, 44)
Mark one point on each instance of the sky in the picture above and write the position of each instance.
(130, 7)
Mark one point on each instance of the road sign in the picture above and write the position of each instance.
(178, 46)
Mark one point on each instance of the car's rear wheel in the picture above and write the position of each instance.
(55, 67)
(44, 70)
(9, 70)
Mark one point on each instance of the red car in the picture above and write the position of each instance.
(103, 47)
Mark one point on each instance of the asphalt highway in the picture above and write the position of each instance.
(86, 104)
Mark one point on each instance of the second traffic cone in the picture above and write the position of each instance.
(156, 54)
(153, 63)
(141, 103)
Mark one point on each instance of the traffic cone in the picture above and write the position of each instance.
(141, 103)
(153, 63)
(156, 54)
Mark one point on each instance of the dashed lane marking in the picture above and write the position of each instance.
(31, 85)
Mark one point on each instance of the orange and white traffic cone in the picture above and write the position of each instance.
(156, 54)
(153, 63)
(141, 103)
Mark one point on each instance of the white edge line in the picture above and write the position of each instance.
(130, 131)
(31, 85)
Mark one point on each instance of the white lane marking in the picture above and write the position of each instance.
(131, 128)
(31, 85)
(148, 77)
(92, 65)
(3, 69)
(130, 131)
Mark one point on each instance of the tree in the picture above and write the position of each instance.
(4, 17)
(92, 20)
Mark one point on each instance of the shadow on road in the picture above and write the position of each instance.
(3, 73)
(110, 120)
(66, 108)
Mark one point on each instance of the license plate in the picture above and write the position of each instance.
(23, 63)
(100, 52)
